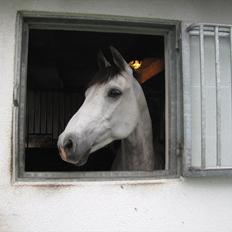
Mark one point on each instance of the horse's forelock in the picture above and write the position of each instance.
(105, 75)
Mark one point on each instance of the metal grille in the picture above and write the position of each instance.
(210, 73)
(47, 114)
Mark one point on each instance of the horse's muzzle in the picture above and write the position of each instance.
(73, 152)
(62, 154)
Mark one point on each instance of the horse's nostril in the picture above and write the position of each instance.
(68, 144)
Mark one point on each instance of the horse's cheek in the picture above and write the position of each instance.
(123, 121)
(121, 130)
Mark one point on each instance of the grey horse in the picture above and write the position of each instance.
(115, 108)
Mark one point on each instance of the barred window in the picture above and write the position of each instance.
(207, 56)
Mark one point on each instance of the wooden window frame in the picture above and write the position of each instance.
(98, 23)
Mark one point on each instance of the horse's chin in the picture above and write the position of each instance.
(78, 162)
(83, 161)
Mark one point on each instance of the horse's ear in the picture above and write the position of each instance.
(102, 61)
(119, 60)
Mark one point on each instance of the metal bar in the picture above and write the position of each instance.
(187, 102)
(39, 134)
(40, 112)
(211, 168)
(198, 25)
(203, 98)
(65, 109)
(218, 168)
(34, 113)
(27, 120)
(46, 111)
(23, 101)
(218, 97)
(209, 33)
(52, 112)
(231, 67)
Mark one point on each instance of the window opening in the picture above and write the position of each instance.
(60, 66)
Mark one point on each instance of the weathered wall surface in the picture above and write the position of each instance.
(203, 204)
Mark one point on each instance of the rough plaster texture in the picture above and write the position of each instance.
(203, 204)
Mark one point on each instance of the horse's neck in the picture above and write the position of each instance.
(136, 151)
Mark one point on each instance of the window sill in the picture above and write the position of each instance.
(90, 182)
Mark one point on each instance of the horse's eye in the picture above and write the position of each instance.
(114, 93)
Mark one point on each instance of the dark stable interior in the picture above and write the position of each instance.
(60, 66)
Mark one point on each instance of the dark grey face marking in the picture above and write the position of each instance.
(105, 75)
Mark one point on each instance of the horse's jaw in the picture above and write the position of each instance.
(98, 146)
(136, 152)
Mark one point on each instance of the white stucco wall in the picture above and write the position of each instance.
(203, 204)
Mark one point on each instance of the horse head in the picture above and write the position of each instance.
(110, 111)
